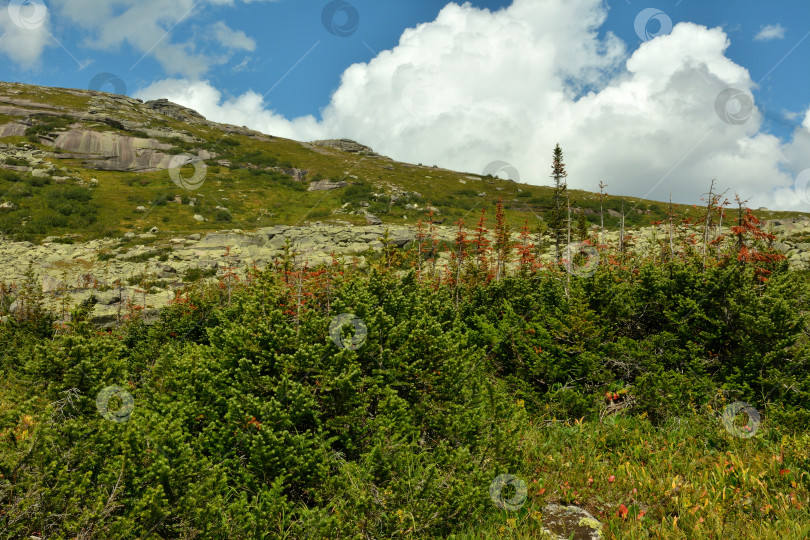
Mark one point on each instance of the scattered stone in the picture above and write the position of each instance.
(51, 284)
(8, 205)
(198, 217)
(373, 220)
(140, 209)
(154, 230)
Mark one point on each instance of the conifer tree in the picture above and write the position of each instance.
(503, 243)
(482, 247)
(525, 251)
(420, 248)
(602, 194)
(557, 220)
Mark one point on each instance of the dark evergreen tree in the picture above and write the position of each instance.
(558, 214)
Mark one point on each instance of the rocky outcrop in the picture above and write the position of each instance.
(113, 152)
(137, 142)
(348, 145)
(13, 130)
(326, 185)
(178, 112)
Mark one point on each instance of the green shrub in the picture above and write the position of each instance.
(45, 125)
(195, 274)
(358, 192)
(161, 199)
(37, 181)
(9, 176)
(260, 159)
(145, 256)
(223, 215)
(251, 415)
(19, 162)
(63, 240)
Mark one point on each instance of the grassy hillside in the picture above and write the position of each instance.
(253, 196)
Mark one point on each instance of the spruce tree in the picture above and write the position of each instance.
(557, 219)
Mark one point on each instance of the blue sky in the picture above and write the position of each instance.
(282, 55)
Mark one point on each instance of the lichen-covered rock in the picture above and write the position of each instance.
(566, 522)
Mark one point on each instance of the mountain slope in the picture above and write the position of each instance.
(92, 164)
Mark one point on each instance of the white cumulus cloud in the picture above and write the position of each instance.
(769, 32)
(233, 39)
(24, 32)
(476, 86)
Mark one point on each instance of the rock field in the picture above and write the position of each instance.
(147, 269)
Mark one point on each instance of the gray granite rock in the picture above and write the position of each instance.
(570, 522)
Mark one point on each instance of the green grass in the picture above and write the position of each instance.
(692, 479)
